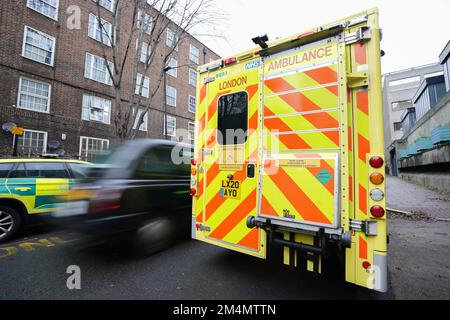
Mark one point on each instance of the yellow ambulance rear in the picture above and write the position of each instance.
(305, 167)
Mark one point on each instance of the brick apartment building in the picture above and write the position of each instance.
(51, 83)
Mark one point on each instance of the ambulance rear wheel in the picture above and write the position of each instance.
(10, 222)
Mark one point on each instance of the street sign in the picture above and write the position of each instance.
(17, 131)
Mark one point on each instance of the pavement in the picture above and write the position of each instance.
(405, 196)
(419, 254)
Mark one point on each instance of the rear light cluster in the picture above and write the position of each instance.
(376, 194)
(106, 200)
(193, 190)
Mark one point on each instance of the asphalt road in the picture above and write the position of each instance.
(187, 270)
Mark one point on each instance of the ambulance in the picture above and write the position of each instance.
(289, 152)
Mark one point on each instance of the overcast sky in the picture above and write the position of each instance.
(415, 32)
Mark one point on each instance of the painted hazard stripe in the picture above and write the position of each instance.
(235, 217)
(324, 76)
(362, 248)
(360, 54)
(299, 200)
(251, 240)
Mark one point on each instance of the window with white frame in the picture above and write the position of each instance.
(97, 31)
(171, 96)
(107, 4)
(173, 65)
(32, 143)
(34, 95)
(194, 54)
(145, 51)
(90, 148)
(172, 39)
(145, 21)
(95, 69)
(192, 104)
(144, 125)
(171, 126)
(142, 86)
(38, 46)
(191, 132)
(48, 8)
(192, 77)
(96, 109)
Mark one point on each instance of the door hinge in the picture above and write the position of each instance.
(357, 79)
(362, 34)
(370, 228)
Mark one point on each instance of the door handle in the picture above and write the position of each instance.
(24, 189)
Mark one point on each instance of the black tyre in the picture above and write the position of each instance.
(154, 236)
(10, 223)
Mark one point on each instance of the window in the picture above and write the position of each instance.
(144, 125)
(192, 104)
(90, 148)
(107, 4)
(192, 77)
(171, 96)
(157, 164)
(96, 69)
(48, 8)
(142, 86)
(194, 54)
(79, 171)
(4, 169)
(146, 51)
(404, 81)
(145, 21)
(401, 105)
(171, 126)
(233, 118)
(41, 170)
(97, 31)
(38, 46)
(173, 65)
(34, 95)
(397, 126)
(32, 143)
(191, 132)
(96, 109)
(172, 39)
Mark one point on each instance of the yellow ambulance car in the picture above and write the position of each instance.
(30, 187)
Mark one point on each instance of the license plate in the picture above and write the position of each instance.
(231, 189)
(72, 208)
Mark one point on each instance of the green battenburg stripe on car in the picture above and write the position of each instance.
(45, 202)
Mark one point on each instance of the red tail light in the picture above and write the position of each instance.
(376, 162)
(105, 200)
(193, 162)
(377, 212)
(366, 265)
(193, 192)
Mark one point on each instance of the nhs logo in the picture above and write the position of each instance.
(253, 64)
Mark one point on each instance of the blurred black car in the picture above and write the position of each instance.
(141, 192)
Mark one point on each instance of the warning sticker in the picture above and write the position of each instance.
(300, 163)
(324, 176)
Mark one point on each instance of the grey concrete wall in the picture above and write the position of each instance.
(435, 181)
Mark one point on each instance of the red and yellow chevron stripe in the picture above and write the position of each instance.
(301, 110)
